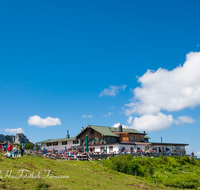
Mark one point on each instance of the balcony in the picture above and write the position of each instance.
(180, 148)
(98, 143)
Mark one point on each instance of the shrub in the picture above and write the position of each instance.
(125, 163)
(180, 160)
(193, 161)
(132, 167)
(150, 170)
(186, 159)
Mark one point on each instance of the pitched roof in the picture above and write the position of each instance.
(57, 140)
(116, 129)
(108, 131)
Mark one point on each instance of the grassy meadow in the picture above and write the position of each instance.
(28, 172)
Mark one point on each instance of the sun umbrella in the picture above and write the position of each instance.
(86, 142)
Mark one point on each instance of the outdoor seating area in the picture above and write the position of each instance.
(81, 156)
(58, 155)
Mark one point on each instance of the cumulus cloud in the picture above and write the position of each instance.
(38, 121)
(153, 123)
(184, 119)
(168, 90)
(123, 126)
(198, 153)
(112, 90)
(197, 45)
(160, 90)
(14, 131)
(84, 116)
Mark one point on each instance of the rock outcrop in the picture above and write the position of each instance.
(18, 138)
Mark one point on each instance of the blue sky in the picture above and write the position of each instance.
(58, 57)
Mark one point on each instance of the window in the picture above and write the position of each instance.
(95, 140)
(99, 139)
(64, 142)
(132, 138)
(75, 142)
(131, 149)
(110, 148)
(82, 141)
(55, 143)
(48, 144)
(90, 140)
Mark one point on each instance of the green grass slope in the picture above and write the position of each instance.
(177, 172)
(78, 175)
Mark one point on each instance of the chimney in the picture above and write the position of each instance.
(161, 139)
(120, 128)
(67, 134)
(144, 132)
(82, 128)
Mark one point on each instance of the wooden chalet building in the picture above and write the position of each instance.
(111, 139)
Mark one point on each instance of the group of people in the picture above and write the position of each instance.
(66, 154)
(12, 150)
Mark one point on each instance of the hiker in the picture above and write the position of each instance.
(192, 154)
(4, 147)
(9, 147)
(34, 147)
(15, 149)
(22, 150)
(1, 148)
(70, 155)
(44, 151)
(8, 155)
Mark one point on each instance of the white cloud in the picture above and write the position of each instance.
(14, 131)
(112, 90)
(184, 119)
(168, 90)
(112, 107)
(129, 120)
(198, 45)
(84, 116)
(152, 123)
(160, 90)
(38, 121)
(198, 153)
(123, 126)
(108, 114)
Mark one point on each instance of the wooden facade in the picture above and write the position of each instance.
(95, 137)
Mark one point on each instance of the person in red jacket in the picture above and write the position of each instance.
(9, 147)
